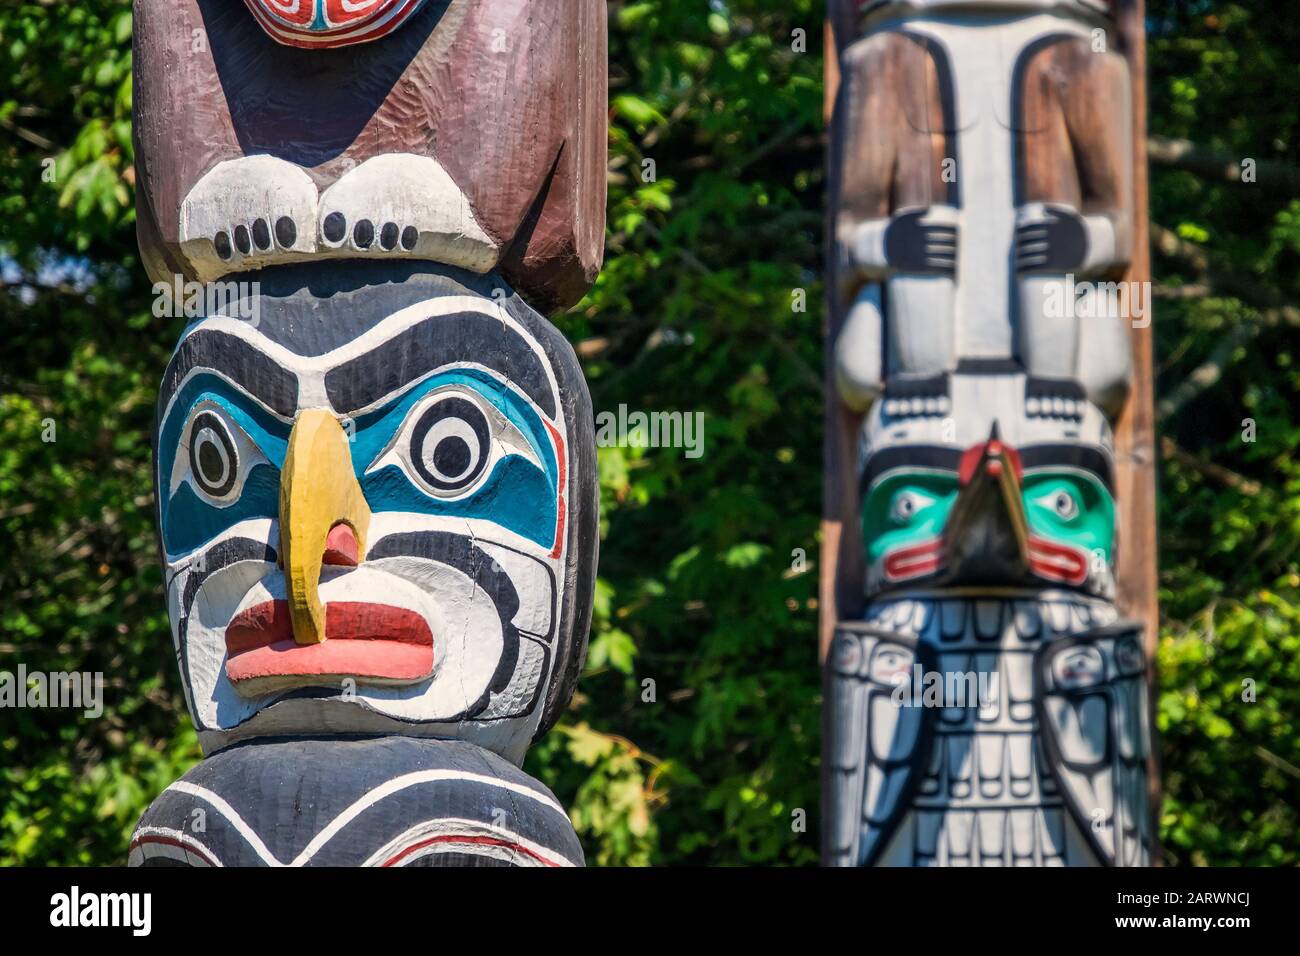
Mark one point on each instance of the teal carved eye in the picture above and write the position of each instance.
(905, 505)
(1072, 508)
(905, 508)
(1063, 502)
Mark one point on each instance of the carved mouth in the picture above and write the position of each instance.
(372, 643)
(1057, 562)
(915, 561)
(330, 23)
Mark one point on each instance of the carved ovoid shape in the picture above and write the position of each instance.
(330, 23)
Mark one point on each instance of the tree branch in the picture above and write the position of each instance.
(1219, 164)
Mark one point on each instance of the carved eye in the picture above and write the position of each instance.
(451, 445)
(1079, 667)
(213, 459)
(450, 441)
(1062, 502)
(905, 505)
(888, 662)
(1065, 505)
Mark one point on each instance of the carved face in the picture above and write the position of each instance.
(330, 23)
(376, 512)
(991, 515)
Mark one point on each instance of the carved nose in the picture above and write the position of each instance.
(341, 546)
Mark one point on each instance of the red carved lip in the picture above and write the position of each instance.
(1057, 562)
(914, 561)
(378, 642)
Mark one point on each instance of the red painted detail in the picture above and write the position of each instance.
(297, 12)
(1057, 562)
(914, 561)
(346, 21)
(993, 453)
(480, 840)
(341, 546)
(343, 12)
(172, 841)
(561, 495)
(361, 640)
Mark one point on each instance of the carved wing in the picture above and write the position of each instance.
(876, 745)
(1096, 726)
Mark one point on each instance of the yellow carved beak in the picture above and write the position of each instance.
(318, 490)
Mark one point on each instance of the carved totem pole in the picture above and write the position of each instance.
(375, 464)
(986, 703)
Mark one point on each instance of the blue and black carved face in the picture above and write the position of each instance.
(377, 506)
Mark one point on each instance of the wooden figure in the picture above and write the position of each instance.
(375, 460)
(988, 706)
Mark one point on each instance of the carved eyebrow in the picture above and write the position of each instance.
(1083, 457)
(933, 457)
(434, 343)
(255, 371)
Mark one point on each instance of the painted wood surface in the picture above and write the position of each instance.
(375, 464)
(982, 171)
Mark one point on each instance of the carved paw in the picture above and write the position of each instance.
(406, 205)
(247, 213)
(1050, 239)
(923, 241)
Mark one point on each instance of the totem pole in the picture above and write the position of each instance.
(374, 460)
(987, 704)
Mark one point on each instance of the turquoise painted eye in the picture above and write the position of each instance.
(1062, 502)
(1071, 508)
(450, 441)
(905, 508)
(906, 504)
(215, 456)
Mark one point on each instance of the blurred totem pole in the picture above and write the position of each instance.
(374, 458)
(986, 662)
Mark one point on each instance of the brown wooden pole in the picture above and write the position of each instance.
(841, 571)
(840, 541)
(1135, 431)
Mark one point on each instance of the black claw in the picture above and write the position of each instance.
(363, 234)
(261, 234)
(336, 227)
(242, 241)
(410, 235)
(388, 235)
(286, 232)
(221, 242)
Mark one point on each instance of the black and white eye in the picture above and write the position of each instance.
(450, 442)
(213, 458)
(451, 445)
(906, 504)
(1065, 506)
(216, 455)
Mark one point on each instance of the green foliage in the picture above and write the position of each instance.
(1223, 76)
(695, 732)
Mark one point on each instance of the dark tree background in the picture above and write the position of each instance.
(710, 302)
